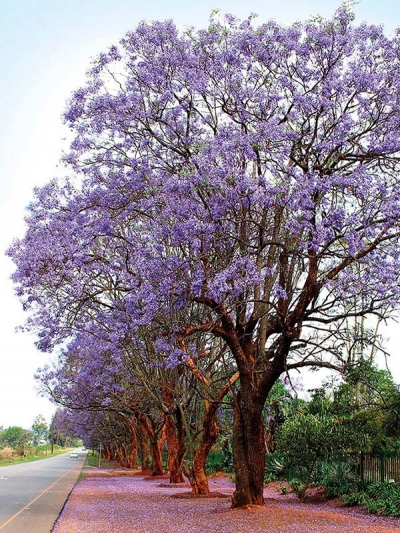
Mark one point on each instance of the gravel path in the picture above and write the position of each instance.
(118, 503)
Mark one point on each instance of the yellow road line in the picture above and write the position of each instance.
(33, 501)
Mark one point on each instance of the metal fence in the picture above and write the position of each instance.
(383, 466)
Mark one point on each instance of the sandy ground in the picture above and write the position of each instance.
(119, 502)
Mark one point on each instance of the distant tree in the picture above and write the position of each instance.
(39, 429)
(17, 438)
(370, 399)
(55, 436)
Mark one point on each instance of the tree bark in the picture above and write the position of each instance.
(174, 464)
(148, 429)
(120, 454)
(133, 447)
(248, 450)
(162, 440)
(107, 452)
(199, 479)
(157, 468)
(144, 449)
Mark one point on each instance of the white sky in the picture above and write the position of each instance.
(45, 49)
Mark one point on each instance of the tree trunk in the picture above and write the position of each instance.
(144, 449)
(181, 437)
(162, 440)
(132, 452)
(248, 447)
(174, 464)
(199, 479)
(119, 454)
(157, 468)
(132, 458)
(107, 452)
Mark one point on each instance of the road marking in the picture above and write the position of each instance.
(2, 526)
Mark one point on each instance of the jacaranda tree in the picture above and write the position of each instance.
(238, 182)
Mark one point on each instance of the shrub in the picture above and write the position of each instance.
(298, 487)
(383, 499)
(378, 498)
(276, 465)
(338, 479)
(268, 478)
(6, 455)
(307, 442)
(354, 498)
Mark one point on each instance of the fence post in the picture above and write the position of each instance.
(382, 457)
(362, 466)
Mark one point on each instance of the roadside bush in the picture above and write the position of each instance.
(359, 497)
(6, 455)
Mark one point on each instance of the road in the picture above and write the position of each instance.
(33, 494)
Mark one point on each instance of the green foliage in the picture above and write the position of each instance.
(307, 441)
(386, 501)
(298, 487)
(355, 498)
(321, 403)
(367, 400)
(39, 429)
(30, 453)
(268, 477)
(283, 489)
(15, 437)
(92, 460)
(359, 414)
(370, 400)
(309, 438)
(280, 406)
(215, 462)
(276, 465)
(378, 498)
(337, 478)
(227, 452)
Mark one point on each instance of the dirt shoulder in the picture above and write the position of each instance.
(122, 501)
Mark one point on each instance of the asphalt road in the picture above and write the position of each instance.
(33, 494)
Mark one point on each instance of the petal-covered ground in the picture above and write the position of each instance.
(105, 503)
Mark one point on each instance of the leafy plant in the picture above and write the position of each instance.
(378, 498)
(268, 478)
(298, 487)
(276, 465)
(337, 478)
(355, 498)
(283, 489)
(383, 499)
